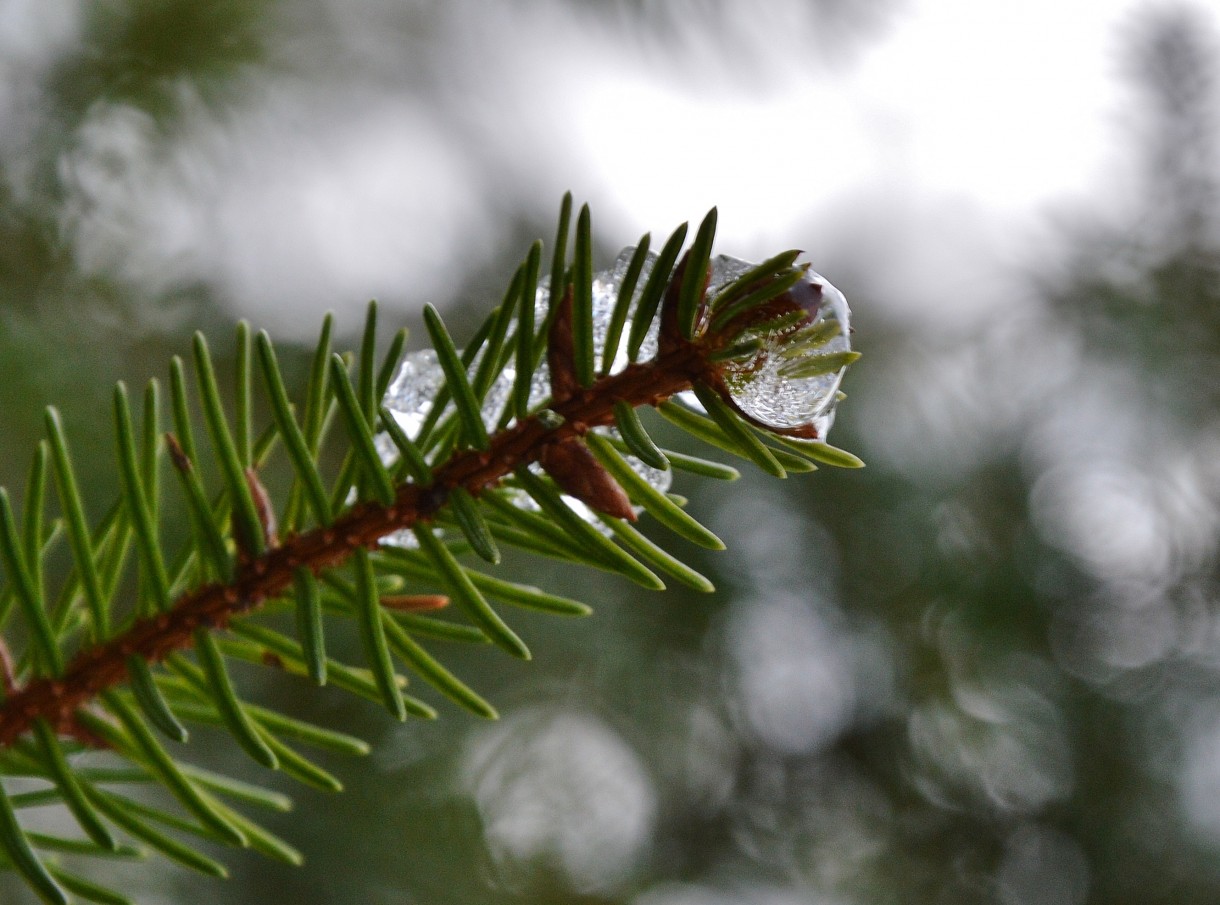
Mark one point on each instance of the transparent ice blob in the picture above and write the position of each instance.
(758, 387)
(419, 377)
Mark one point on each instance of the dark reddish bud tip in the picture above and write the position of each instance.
(412, 603)
(580, 475)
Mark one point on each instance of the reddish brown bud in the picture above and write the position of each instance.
(7, 672)
(413, 603)
(580, 475)
(177, 454)
(262, 506)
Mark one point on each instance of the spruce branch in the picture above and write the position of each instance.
(270, 574)
(97, 672)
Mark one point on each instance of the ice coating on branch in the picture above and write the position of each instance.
(782, 386)
(605, 294)
(410, 394)
(419, 377)
(768, 388)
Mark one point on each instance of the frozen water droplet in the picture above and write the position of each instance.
(779, 387)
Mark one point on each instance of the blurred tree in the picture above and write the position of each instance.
(1045, 568)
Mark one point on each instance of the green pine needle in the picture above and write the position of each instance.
(654, 289)
(462, 589)
(582, 300)
(123, 812)
(16, 845)
(525, 333)
(694, 279)
(363, 445)
(150, 700)
(224, 696)
(636, 437)
(455, 376)
(225, 449)
(242, 413)
(622, 305)
(366, 386)
(594, 542)
(473, 525)
(310, 628)
(26, 589)
(295, 442)
(69, 786)
(431, 671)
(167, 770)
(372, 636)
(559, 256)
(654, 502)
(77, 525)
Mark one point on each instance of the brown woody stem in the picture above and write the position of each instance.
(101, 666)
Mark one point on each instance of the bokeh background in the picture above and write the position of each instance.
(985, 669)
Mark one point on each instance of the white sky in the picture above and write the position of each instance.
(939, 148)
(942, 142)
(1000, 106)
